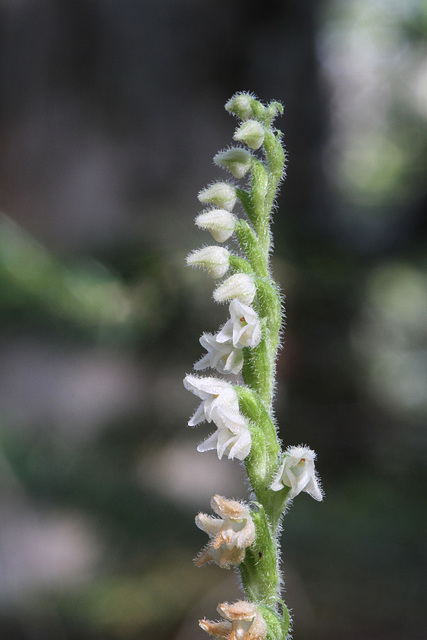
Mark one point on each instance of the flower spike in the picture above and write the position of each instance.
(244, 350)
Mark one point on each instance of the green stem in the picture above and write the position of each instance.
(250, 246)
(275, 155)
(259, 571)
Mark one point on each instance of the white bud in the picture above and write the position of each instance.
(216, 260)
(219, 222)
(251, 133)
(221, 194)
(236, 160)
(239, 285)
(240, 105)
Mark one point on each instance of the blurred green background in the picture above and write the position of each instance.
(110, 114)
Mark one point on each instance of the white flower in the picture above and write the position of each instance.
(221, 356)
(221, 194)
(236, 160)
(216, 260)
(243, 329)
(229, 535)
(234, 440)
(239, 285)
(219, 222)
(219, 400)
(243, 621)
(297, 472)
(251, 133)
(220, 405)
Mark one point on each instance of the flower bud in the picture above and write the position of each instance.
(216, 260)
(239, 285)
(236, 160)
(251, 133)
(240, 105)
(219, 222)
(221, 194)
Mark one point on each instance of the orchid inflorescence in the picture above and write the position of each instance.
(246, 535)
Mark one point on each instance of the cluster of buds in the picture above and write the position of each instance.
(246, 346)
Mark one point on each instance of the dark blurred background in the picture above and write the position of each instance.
(110, 114)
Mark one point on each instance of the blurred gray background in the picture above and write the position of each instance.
(110, 114)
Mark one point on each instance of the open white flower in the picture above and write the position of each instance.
(243, 621)
(297, 472)
(234, 440)
(220, 405)
(219, 401)
(243, 329)
(222, 356)
(230, 535)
